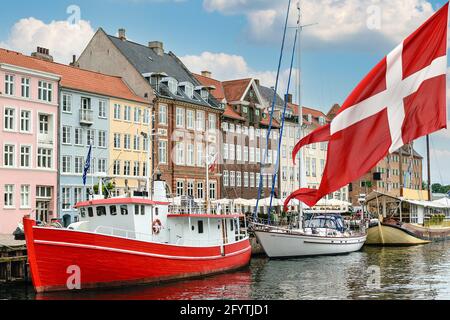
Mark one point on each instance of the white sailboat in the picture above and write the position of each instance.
(322, 234)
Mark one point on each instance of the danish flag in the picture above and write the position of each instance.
(401, 99)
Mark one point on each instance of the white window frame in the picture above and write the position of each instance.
(9, 84)
(25, 196)
(45, 91)
(28, 155)
(11, 155)
(8, 197)
(66, 103)
(25, 85)
(9, 119)
(28, 120)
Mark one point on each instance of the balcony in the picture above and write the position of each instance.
(86, 116)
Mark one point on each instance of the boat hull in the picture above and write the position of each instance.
(58, 256)
(283, 245)
(389, 235)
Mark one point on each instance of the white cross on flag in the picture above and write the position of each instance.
(401, 99)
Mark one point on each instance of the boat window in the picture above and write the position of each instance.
(83, 212)
(142, 210)
(200, 226)
(193, 228)
(101, 211)
(156, 211)
(90, 212)
(136, 209)
(124, 210)
(113, 210)
(232, 225)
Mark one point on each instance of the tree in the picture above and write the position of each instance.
(106, 189)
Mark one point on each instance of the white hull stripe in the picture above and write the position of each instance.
(146, 254)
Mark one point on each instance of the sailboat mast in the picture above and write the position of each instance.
(429, 168)
(300, 109)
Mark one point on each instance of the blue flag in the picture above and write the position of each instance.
(87, 166)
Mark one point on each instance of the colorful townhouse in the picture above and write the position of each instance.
(186, 117)
(244, 132)
(29, 145)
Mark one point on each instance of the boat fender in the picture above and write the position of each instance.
(157, 226)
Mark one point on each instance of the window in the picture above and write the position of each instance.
(124, 210)
(232, 150)
(190, 119)
(66, 138)
(252, 180)
(67, 103)
(144, 169)
(308, 166)
(66, 164)
(127, 142)
(190, 154)
(225, 151)
(79, 165)
(245, 179)
(9, 85)
(117, 138)
(45, 91)
(90, 137)
(200, 226)
(43, 192)
(232, 179)
(212, 190)
(246, 153)
(146, 119)
(137, 114)
(200, 190)
(190, 188)
(44, 158)
(9, 196)
(136, 143)
(25, 87)
(201, 121)
(179, 153)
(238, 179)
(116, 168)
(212, 122)
(238, 153)
(173, 85)
(85, 103)
(25, 121)
(136, 169)
(113, 210)
(102, 139)
(258, 155)
(43, 124)
(162, 114)
(65, 198)
(200, 160)
(179, 118)
(101, 165)
(180, 188)
(117, 112)
(9, 120)
(313, 165)
(8, 156)
(162, 152)
(78, 137)
(25, 156)
(226, 182)
(25, 196)
(102, 109)
(127, 115)
(127, 168)
(252, 154)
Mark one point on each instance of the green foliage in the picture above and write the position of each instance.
(438, 188)
(106, 189)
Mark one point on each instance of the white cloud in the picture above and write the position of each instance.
(339, 22)
(62, 38)
(229, 67)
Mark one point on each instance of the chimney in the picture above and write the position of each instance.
(289, 98)
(207, 74)
(157, 47)
(42, 54)
(74, 62)
(257, 82)
(122, 34)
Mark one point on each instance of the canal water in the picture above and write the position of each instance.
(421, 272)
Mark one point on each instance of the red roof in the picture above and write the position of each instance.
(235, 89)
(230, 113)
(266, 122)
(218, 93)
(306, 111)
(74, 78)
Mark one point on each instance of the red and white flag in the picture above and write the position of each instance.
(401, 99)
(213, 163)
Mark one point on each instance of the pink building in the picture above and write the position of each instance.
(28, 140)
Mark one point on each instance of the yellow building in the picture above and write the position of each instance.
(130, 136)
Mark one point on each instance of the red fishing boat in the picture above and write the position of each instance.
(133, 240)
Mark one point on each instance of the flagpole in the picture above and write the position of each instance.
(428, 168)
(93, 167)
(207, 179)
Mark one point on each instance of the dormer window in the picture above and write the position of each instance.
(188, 89)
(321, 120)
(204, 94)
(172, 84)
(309, 118)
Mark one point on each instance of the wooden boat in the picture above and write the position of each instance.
(387, 234)
(125, 241)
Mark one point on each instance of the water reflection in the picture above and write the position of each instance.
(421, 272)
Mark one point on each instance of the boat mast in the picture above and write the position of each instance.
(207, 178)
(428, 168)
(300, 109)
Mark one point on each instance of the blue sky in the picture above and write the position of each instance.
(242, 38)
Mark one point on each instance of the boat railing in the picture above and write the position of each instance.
(198, 209)
(128, 234)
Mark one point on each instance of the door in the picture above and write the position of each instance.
(42, 210)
